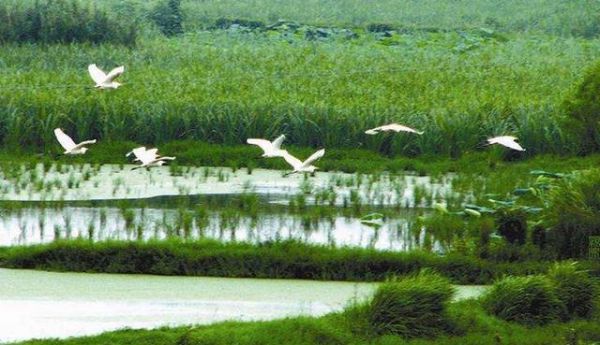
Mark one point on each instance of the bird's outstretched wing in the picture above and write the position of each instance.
(396, 127)
(293, 161)
(83, 143)
(114, 74)
(508, 141)
(277, 142)
(511, 143)
(98, 76)
(314, 157)
(65, 141)
(140, 154)
(152, 153)
(265, 145)
(132, 152)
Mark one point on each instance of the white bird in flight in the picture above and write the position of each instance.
(148, 158)
(69, 145)
(396, 127)
(506, 140)
(103, 80)
(305, 166)
(271, 149)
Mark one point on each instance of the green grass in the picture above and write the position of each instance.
(547, 16)
(222, 88)
(472, 326)
(196, 153)
(289, 259)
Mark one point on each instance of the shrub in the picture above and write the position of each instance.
(168, 17)
(380, 27)
(572, 213)
(528, 300)
(411, 307)
(512, 225)
(62, 21)
(574, 288)
(583, 109)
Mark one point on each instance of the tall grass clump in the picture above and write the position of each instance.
(575, 289)
(411, 307)
(531, 300)
(583, 110)
(168, 17)
(572, 213)
(62, 21)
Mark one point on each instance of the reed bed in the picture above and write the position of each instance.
(538, 16)
(223, 87)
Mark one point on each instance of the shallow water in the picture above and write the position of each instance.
(33, 225)
(37, 304)
(41, 203)
(105, 182)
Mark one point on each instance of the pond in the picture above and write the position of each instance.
(37, 304)
(41, 203)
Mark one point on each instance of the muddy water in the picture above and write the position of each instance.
(36, 304)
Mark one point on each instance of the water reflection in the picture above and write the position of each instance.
(30, 225)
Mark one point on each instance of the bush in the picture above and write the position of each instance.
(380, 27)
(168, 17)
(572, 213)
(512, 225)
(411, 307)
(583, 109)
(574, 288)
(62, 21)
(528, 300)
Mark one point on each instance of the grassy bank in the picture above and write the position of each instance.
(472, 326)
(196, 153)
(288, 259)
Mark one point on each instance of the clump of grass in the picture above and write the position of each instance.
(412, 307)
(572, 213)
(531, 300)
(574, 288)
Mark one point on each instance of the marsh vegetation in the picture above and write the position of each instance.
(202, 77)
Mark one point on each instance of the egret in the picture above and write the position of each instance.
(300, 166)
(148, 158)
(103, 80)
(271, 149)
(506, 140)
(396, 127)
(69, 145)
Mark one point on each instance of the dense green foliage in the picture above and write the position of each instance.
(531, 300)
(412, 306)
(222, 87)
(168, 17)
(574, 288)
(512, 225)
(288, 259)
(572, 213)
(583, 108)
(62, 21)
(563, 17)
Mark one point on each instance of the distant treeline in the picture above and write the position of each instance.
(62, 21)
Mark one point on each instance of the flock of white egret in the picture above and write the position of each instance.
(150, 157)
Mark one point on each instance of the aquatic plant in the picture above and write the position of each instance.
(411, 306)
(531, 300)
(575, 288)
